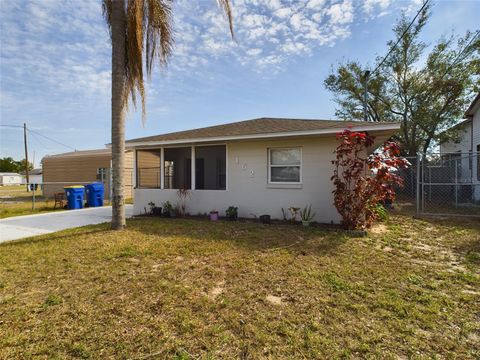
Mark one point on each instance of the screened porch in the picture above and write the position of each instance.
(185, 167)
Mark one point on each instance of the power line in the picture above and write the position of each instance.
(37, 139)
(53, 140)
(33, 132)
(11, 126)
(401, 37)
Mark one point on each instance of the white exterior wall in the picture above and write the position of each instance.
(35, 179)
(468, 142)
(476, 142)
(464, 146)
(248, 188)
(11, 179)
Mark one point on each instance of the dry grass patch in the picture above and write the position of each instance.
(192, 289)
(15, 200)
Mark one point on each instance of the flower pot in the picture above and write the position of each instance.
(305, 223)
(265, 219)
(157, 211)
(213, 216)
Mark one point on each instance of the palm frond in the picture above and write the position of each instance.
(149, 33)
(107, 13)
(134, 51)
(225, 5)
(159, 34)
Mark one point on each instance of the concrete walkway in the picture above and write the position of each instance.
(20, 227)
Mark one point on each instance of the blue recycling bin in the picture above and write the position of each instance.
(74, 195)
(95, 193)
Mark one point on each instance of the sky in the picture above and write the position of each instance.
(55, 61)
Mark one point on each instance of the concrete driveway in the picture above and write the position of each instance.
(20, 227)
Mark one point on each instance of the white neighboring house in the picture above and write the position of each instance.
(468, 146)
(10, 178)
(260, 166)
(35, 176)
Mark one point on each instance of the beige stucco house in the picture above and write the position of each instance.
(260, 166)
(83, 167)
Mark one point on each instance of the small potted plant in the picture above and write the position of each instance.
(232, 213)
(154, 210)
(213, 216)
(167, 209)
(307, 215)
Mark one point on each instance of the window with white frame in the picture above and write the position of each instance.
(285, 165)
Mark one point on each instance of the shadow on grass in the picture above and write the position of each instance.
(244, 234)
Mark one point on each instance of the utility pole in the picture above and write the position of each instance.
(366, 74)
(26, 153)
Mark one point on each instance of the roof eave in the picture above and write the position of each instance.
(473, 107)
(374, 127)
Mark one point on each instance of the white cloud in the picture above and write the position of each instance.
(254, 52)
(68, 46)
(341, 13)
(296, 21)
(254, 20)
(376, 8)
(315, 4)
(273, 4)
(65, 47)
(283, 12)
(281, 29)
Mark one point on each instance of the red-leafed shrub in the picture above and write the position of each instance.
(362, 182)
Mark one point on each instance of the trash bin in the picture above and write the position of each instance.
(74, 195)
(95, 192)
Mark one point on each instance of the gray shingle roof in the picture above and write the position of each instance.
(252, 127)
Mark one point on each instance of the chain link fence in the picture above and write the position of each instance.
(442, 184)
(449, 184)
(46, 192)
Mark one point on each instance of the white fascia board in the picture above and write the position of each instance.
(373, 127)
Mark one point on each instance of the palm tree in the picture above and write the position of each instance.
(138, 29)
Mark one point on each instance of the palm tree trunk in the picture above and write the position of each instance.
(118, 21)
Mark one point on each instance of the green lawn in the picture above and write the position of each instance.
(15, 200)
(188, 289)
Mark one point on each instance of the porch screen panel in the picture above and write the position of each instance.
(210, 167)
(178, 168)
(148, 168)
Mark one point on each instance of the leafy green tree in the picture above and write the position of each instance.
(425, 96)
(8, 164)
